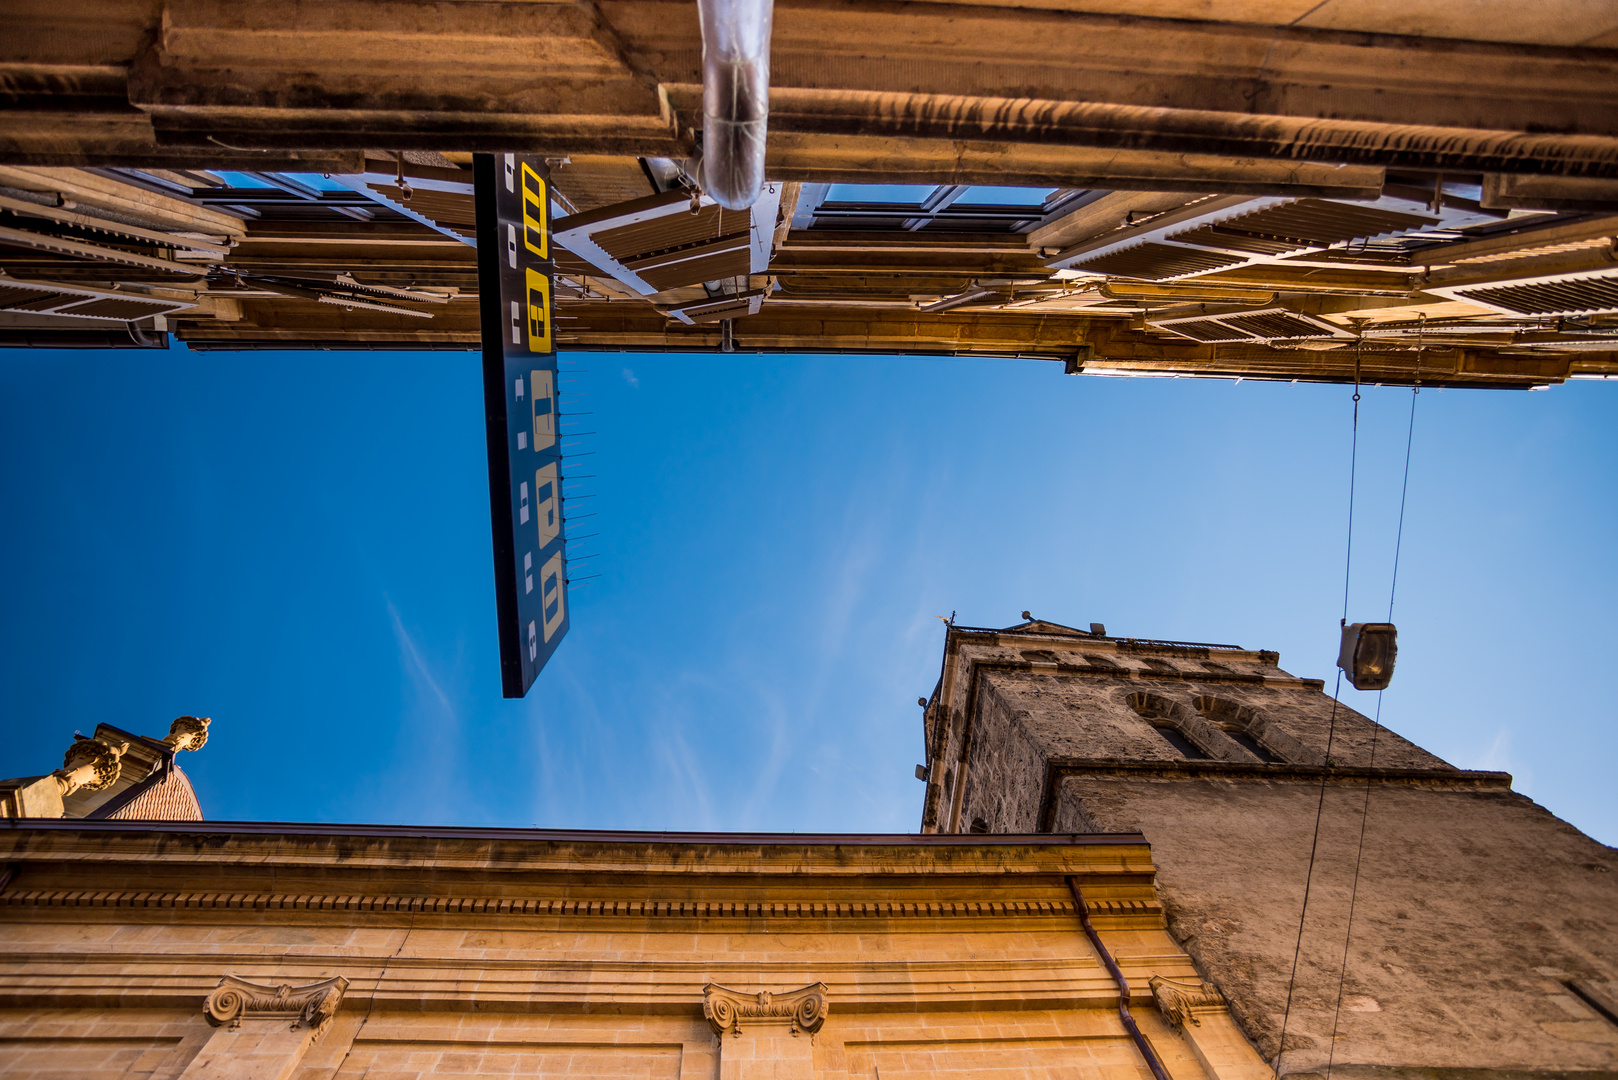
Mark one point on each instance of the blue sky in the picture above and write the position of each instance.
(297, 545)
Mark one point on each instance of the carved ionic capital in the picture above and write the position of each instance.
(312, 1006)
(90, 765)
(804, 1009)
(188, 733)
(1176, 1000)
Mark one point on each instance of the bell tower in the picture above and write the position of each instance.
(1256, 790)
(1024, 720)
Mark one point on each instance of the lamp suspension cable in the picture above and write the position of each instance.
(1376, 723)
(1331, 729)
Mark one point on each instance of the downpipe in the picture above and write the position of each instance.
(735, 98)
(1141, 1044)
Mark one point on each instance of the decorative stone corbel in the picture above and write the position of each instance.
(89, 765)
(188, 733)
(805, 1009)
(1178, 1000)
(312, 1006)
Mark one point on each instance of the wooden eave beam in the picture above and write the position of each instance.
(105, 193)
(1237, 68)
(958, 92)
(812, 157)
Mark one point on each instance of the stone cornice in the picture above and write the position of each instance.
(536, 979)
(1171, 768)
(804, 1009)
(1058, 769)
(572, 908)
(534, 852)
(1045, 667)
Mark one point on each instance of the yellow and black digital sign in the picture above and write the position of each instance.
(527, 506)
(536, 214)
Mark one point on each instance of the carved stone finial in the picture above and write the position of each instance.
(311, 1006)
(805, 1009)
(90, 764)
(188, 733)
(1177, 1000)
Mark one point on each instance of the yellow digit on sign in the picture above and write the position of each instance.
(539, 312)
(535, 213)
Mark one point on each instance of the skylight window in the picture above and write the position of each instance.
(898, 194)
(1005, 196)
(241, 180)
(919, 208)
(315, 180)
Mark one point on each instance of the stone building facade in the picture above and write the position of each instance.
(1484, 936)
(271, 952)
(1119, 837)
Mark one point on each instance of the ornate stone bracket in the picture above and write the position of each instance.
(725, 1009)
(312, 1006)
(1178, 1000)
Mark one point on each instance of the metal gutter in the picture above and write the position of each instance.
(1145, 1048)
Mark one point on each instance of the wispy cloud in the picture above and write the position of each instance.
(431, 742)
(684, 766)
(415, 663)
(629, 377)
(1499, 755)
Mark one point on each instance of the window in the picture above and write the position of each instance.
(1006, 196)
(1167, 718)
(1185, 746)
(932, 208)
(1242, 723)
(906, 194)
(243, 180)
(1252, 745)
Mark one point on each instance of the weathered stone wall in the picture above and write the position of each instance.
(1009, 746)
(1474, 909)
(1086, 716)
(1483, 927)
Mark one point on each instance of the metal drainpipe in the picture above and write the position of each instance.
(1141, 1044)
(735, 98)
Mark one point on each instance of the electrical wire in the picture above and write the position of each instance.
(1376, 723)
(1308, 883)
(1331, 729)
